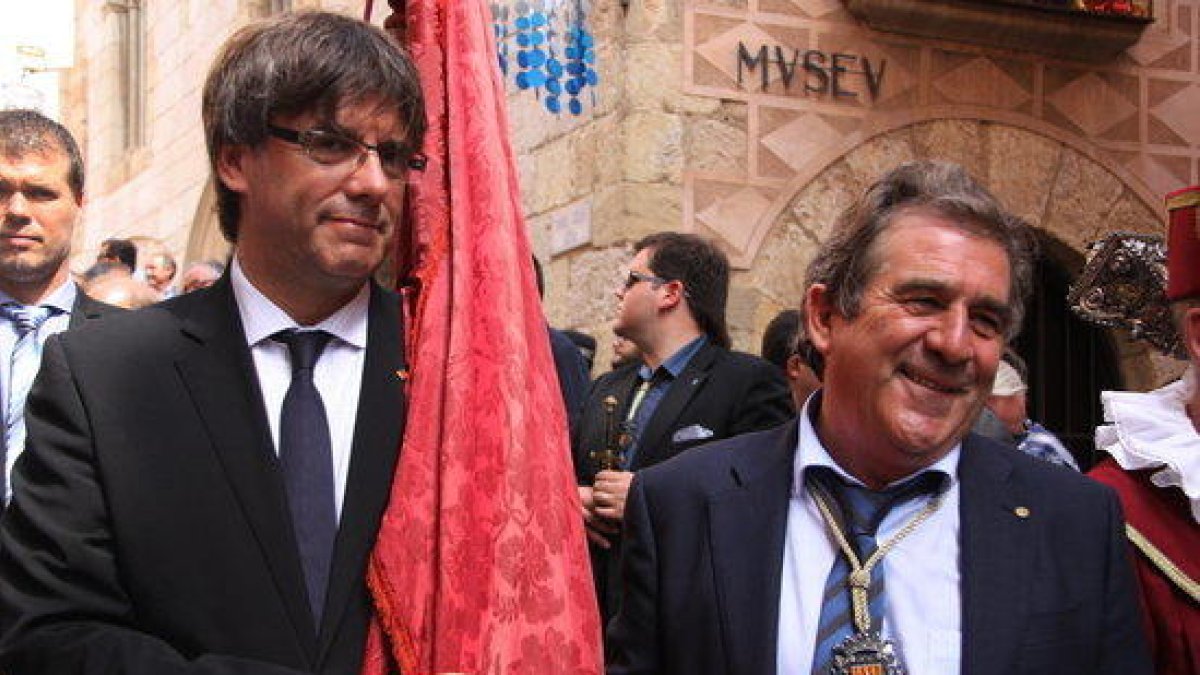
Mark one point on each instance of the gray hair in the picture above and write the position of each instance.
(847, 261)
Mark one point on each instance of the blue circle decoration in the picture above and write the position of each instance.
(555, 51)
(535, 78)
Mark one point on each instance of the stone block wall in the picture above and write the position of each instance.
(1080, 149)
(673, 140)
(156, 190)
(152, 190)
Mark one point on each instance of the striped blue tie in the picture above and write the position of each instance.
(861, 511)
(24, 361)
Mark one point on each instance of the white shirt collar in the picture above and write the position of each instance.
(61, 298)
(811, 452)
(262, 318)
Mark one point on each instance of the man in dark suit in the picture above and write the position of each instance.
(205, 477)
(41, 197)
(689, 389)
(874, 532)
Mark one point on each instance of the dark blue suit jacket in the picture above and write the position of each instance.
(1050, 593)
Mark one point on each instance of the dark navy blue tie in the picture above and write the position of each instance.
(306, 457)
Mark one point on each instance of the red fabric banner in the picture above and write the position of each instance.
(481, 564)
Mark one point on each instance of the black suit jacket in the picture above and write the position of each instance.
(1052, 593)
(85, 309)
(726, 392)
(150, 531)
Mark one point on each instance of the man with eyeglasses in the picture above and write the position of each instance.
(690, 389)
(204, 479)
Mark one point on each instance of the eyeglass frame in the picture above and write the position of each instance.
(417, 161)
(634, 278)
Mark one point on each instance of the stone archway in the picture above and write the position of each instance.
(1068, 195)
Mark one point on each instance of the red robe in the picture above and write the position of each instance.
(1162, 516)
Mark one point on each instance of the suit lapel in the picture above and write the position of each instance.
(219, 374)
(749, 603)
(655, 444)
(997, 554)
(378, 427)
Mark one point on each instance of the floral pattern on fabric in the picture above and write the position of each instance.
(481, 564)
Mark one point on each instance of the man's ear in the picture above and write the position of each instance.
(230, 167)
(794, 367)
(818, 316)
(674, 294)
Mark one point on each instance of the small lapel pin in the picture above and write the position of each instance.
(1021, 511)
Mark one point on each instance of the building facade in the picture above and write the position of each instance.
(750, 121)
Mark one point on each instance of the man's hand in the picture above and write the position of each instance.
(609, 493)
(599, 529)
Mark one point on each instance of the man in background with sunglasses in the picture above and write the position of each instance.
(689, 390)
(204, 479)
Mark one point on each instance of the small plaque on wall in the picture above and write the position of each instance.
(571, 227)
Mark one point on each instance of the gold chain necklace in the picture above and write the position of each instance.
(859, 579)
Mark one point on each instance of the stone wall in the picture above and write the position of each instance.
(673, 140)
(1079, 148)
(152, 190)
(156, 190)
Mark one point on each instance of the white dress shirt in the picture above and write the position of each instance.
(924, 614)
(63, 299)
(338, 373)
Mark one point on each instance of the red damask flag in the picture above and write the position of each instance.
(481, 563)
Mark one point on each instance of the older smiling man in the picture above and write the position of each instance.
(874, 534)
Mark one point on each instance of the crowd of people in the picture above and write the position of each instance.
(117, 279)
(188, 488)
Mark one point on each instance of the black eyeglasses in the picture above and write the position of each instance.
(332, 149)
(635, 277)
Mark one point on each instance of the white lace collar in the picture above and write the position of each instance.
(1152, 430)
